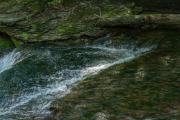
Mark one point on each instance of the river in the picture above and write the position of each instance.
(32, 77)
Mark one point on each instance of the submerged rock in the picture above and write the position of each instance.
(141, 89)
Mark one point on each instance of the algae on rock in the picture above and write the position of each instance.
(32, 21)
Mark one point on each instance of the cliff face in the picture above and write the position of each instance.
(52, 20)
(41, 21)
(26, 20)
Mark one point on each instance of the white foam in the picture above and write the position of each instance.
(12, 58)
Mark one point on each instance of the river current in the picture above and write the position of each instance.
(31, 78)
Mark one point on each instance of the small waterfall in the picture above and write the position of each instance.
(73, 65)
(10, 59)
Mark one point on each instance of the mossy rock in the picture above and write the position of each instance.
(5, 43)
(29, 21)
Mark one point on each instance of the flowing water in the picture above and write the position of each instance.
(31, 78)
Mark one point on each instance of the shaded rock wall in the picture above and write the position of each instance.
(158, 5)
(33, 21)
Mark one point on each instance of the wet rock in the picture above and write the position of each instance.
(34, 21)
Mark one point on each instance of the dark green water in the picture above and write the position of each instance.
(32, 77)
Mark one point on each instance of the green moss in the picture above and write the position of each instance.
(67, 18)
(83, 17)
(25, 36)
(77, 22)
(114, 11)
(16, 42)
(70, 28)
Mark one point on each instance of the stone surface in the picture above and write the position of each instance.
(30, 20)
(147, 87)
